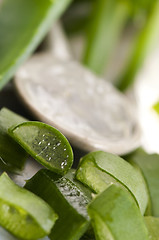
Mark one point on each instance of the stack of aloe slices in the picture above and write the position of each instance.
(105, 198)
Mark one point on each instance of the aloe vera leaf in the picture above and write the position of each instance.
(104, 30)
(12, 156)
(149, 164)
(45, 144)
(144, 43)
(23, 25)
(104, 164)
(115, 216)
(69, 201)
(152, 224)
(23, 213)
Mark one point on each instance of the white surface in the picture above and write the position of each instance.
(87, 110)
(146, 92)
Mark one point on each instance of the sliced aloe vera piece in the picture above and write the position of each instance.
(12, 156)
(45, 144)
(22, 31)
(23, 213)
(152, 224)
(100, 169)
(115, 216)
(66, 197)
(149, 164)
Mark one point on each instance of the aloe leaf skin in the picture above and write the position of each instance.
(69, 201)
(23, 24)
(152, 224)
(23, 213)
(104, 30)
(100, 169)
(143, 45)
(45, 144)
(12, 156)
(115, 216)
(149, 164)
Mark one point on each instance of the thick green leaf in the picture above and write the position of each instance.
(115, 216)
(152, 224)
(12, 156)
(23, 24)
(149, 164)
(99, 169)
(64, 195)
(143, 44)
(22, 213)
(45, 144)
(105, 27)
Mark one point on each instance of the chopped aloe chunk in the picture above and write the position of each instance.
(152, 224)
(12, 156)
(22, 213)
(149, 164)
(45, 144)
(100, 169)
(115, 216)
(67, 198)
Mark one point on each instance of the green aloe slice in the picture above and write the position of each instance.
(45, 144)
(22, 213)
(152, 224)
(12, 156)
(115, 216)
(67, 198)
(149, 164)
(23, 25)
(99, 169)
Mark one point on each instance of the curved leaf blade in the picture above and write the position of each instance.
(23, 25)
